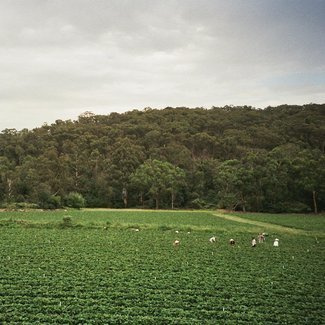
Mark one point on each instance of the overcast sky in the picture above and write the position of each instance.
(60, 58)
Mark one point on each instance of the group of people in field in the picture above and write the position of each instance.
(260, 240)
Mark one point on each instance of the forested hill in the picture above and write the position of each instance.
(229, 157)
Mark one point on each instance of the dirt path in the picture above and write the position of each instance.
(264, 225)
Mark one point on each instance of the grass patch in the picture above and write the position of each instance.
(309, 222)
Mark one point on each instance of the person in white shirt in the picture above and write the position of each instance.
(212, 239)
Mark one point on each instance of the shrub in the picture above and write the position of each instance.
(202, 204)
(296, 207)
(288, 207)
(48, 201)
(66, 222)
(20, 205)
(75, 200)
(198, 204)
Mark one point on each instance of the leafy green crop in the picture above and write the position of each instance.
(114, 274)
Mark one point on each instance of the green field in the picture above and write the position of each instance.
(297, 221)
(95, 268)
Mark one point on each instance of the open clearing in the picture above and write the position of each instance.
(274, 227)
(95, 268)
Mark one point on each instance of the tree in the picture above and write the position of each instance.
(158, 177)
(308, 176)
(233, 181)
(125, 157)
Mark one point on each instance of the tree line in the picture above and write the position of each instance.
(240, 158)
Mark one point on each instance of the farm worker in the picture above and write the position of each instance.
(261, 238)
(253, 242)
(232, 242)
(176, 243)
(212, 239)
(276, 242)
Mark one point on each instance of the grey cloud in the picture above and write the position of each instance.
(63, 57)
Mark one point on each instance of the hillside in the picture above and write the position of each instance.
(229, 157)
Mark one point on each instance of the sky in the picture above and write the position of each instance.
(60, 58)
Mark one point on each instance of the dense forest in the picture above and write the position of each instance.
(229, 157)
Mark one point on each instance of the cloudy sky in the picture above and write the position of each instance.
(59, 58)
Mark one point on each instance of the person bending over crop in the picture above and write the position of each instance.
(253, 242)
(261, 238)
(232, 242)
(212, 239)
(176, 243)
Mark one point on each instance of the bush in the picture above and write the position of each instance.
(296, 207)
(74, 200)
(198, 204)
(228, 201)
(288, 207)
(20, 206)
(202, 204)
(66, 222)
(48, 201)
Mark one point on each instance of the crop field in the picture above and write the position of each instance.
(298, 221)
(93, 266)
